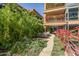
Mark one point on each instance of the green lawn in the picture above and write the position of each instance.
(58, 49)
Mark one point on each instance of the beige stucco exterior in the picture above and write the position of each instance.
(56, 11)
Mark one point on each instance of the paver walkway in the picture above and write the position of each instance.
(47, 50)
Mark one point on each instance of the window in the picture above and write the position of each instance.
(73, 14)
(1, 5)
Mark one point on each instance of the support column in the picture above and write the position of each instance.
(45, 18)
(68, 18)
(45, 22)
(78, 16)
(65, 18)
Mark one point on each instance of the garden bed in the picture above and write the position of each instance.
(32, 48)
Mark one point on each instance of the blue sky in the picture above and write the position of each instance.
(38, 6)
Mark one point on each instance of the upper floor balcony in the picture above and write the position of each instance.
(61, 22)
(52, 21)
(52, 7)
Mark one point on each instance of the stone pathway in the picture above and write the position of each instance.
(47, 50)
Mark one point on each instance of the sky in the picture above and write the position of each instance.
(39, 7)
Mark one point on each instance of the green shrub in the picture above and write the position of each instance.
(15, 24)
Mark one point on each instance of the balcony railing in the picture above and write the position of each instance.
(55, 20)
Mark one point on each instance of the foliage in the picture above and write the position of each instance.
(30, 49)
(50, 29)
(35, 47)
(16, 23)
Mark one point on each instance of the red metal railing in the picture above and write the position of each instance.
(70, 48)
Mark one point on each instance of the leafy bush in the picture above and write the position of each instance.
(15, 24)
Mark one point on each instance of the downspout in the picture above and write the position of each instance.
(68, 17)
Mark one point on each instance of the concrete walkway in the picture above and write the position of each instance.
(47, 50)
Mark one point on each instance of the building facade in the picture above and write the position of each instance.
(34, 12)
(60, 15)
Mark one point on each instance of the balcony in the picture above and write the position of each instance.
(60, 23)
(50, 6)
(55, 10)
(70, 22)
(55, 22)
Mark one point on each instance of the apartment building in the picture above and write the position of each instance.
(34, 12)
(61, 15)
